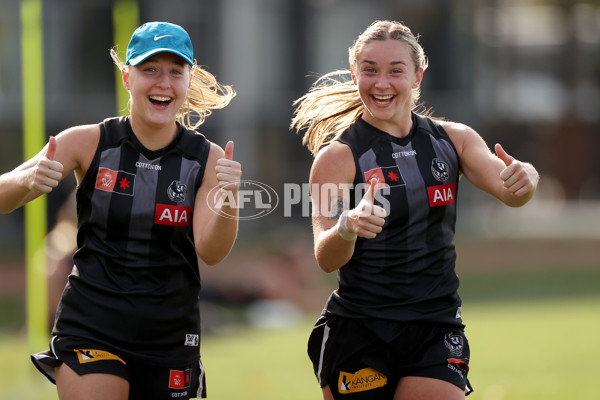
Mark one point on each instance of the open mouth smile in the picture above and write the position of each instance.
(383, 100)
(161, 101)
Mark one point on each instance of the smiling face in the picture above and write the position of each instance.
(158, 87)
(386, 75)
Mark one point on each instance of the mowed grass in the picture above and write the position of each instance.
(528, 341)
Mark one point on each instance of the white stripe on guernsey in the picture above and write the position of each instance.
(325, 337)
(201, 377)
(52, 346)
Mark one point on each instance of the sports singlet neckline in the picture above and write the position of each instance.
(153, 154)
(381, 133)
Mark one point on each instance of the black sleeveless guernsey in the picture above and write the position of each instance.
(406, 273)
(136, 282)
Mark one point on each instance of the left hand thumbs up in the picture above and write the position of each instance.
(229, 172)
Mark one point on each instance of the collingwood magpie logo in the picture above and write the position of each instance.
(176, 191)
(454, 343)
(440, 170)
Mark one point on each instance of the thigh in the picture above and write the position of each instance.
(94, 386)
(442, 355)
(344, 356)
(327, 395)
(420, 388)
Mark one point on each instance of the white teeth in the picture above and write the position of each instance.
(383, 98)
(160, 98)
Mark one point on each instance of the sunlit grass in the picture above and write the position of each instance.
(540, 349)
(19, 379)
(522, 347)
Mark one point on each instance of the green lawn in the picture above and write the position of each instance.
(528, 343)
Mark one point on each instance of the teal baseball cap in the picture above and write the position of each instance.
(158, 37)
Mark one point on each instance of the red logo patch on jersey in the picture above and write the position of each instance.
(179, 379)
(167, 214)
(441, 195)
(115, 181)
(389, 175)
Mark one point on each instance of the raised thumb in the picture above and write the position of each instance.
(51, 148)
(503, 155)
(229, 150)
(370, 193)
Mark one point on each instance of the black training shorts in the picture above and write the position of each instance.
(365, 358)
(145, 381)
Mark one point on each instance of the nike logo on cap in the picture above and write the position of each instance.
(160, 37)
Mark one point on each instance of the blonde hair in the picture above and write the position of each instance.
(333, 102)
(204, 95)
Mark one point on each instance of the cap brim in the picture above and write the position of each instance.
(137, 60)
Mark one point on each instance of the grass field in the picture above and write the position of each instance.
(533, 335)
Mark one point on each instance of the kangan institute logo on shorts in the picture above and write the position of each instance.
(90, 355)
(361, 380)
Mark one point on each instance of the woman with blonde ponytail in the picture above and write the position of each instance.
(204, 94)
(333, 103)
(150, 209)
(384, 183)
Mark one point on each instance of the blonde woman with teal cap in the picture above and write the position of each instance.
(150, 204)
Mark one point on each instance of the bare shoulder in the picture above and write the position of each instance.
(460, 134)
(334, 163)
(76, 146)
(210, 174)
(80, 135)
(215, 152)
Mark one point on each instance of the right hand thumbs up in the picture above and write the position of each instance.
(367, 219)
(369, 196)
(47, 173)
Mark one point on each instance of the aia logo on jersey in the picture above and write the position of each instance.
(441, 195)
(389, 175)
(179, 379)
(167, 214)
(120, 182)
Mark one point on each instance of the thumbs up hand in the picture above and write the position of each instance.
(367, 219)
(519, 178)
(229, 172)
(46, 173)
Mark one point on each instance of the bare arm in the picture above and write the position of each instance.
(215, 210)
(509, 180)
(331, 174)
(71, 150)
